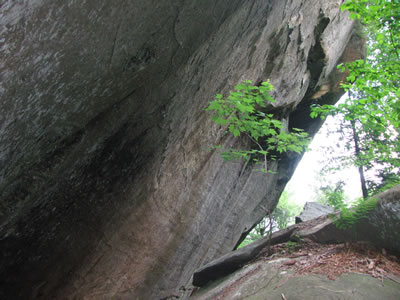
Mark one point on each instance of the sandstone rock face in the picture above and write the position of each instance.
(108, 188)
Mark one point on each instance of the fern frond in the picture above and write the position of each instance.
(350, 217)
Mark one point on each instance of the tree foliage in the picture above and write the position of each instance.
(372, 111)
(333, 196)
(242, 113)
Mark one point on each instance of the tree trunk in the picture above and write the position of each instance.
(358, 156)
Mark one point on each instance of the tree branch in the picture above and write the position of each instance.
(262, 149)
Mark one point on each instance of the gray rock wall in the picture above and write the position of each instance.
(108, 188)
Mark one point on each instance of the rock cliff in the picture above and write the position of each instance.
(108, 188)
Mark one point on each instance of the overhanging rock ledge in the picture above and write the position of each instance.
(107, 186)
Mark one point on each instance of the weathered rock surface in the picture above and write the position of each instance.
(107, 186)
(382, 234)
(313, 210)
(267, 280)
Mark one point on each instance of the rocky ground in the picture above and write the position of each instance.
(314, 260)
(332, 260)
(308, 270)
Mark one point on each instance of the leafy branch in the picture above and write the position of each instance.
(242, 113)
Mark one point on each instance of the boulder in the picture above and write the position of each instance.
(313, 210)
(108, 186)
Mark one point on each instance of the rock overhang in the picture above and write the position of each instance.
(104, 139)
